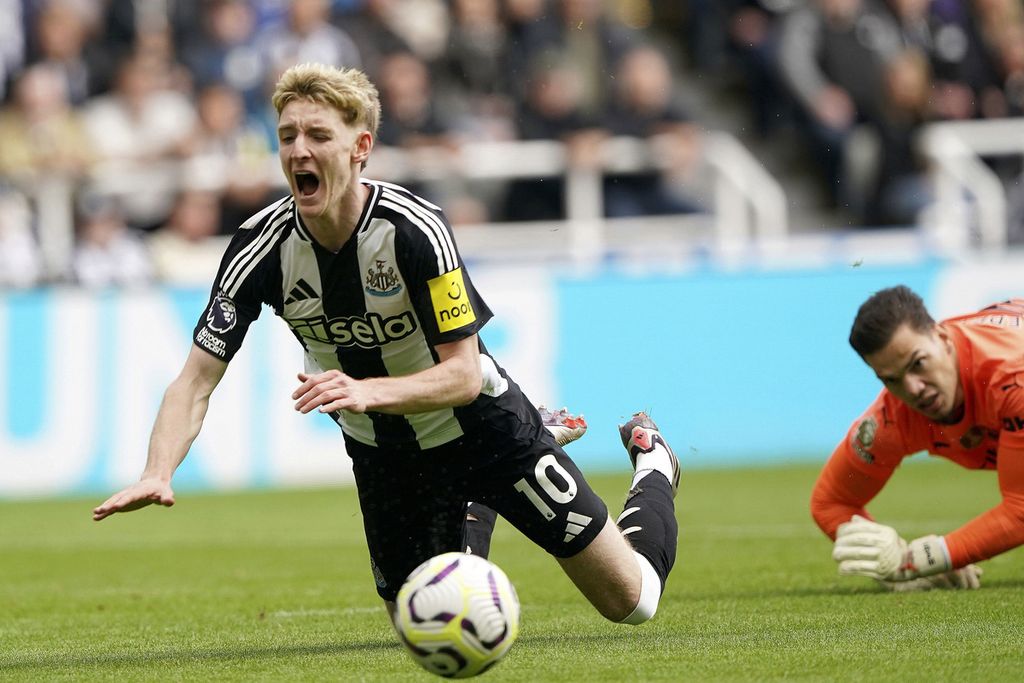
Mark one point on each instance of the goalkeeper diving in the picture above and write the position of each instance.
(954, 389)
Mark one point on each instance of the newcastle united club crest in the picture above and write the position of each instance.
(382, 282)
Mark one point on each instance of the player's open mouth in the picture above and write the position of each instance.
(306, 183)
(928, 403)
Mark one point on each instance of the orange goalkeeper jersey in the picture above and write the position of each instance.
(990, 353)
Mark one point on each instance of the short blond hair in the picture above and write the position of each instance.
(347, 90)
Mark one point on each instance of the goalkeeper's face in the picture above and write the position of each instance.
(921, 369)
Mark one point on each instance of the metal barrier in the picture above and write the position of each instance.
(747, 204)
(968, 192)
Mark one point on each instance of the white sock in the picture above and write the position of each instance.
(657, 460)
(650, 593)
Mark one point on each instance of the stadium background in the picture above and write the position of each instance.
(735, 342)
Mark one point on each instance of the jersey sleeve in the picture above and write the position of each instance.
(1001, 528)
(235, 298)
(860, 465)
(441, 290)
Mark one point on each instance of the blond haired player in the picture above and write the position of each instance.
(368, 277)
(953, 388)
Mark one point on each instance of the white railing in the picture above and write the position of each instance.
(968, 193)
(747, 205)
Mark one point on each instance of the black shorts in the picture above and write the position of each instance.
(414, 505)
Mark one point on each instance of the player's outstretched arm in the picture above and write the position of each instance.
(1002, 527)
(842, 491)
(177, 424)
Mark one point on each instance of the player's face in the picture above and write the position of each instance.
(920, 369)
(321, 156)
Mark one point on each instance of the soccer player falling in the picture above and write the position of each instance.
(954, 389)
(369, 279)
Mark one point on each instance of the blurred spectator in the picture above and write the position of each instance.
(62, 40)
(1005, 98)
(409, 111)
(552, 110)
(12, 42)
(306, 35)
(224, 50)
(178, 250)
(139, 129)
(475, 58)
(832, 55)
(372, 29)
(945, 33)
(423, 25)
(108, 252)
(753, 27)
(410, 119)
(646, 107)
(705, 28)
(20, 261)
(40, 134)
(519, 16)
(901, 188)
(475, 71)
(584, 34)
(228, 154)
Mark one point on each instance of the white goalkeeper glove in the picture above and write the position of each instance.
(866, 548)
(965, 578)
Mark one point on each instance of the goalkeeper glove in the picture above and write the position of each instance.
(965, 578)
(866, 548)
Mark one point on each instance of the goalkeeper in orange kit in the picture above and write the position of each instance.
(953, 388)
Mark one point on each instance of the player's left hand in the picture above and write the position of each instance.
(329, 391)
(866, 548)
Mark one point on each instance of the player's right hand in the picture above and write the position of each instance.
(867, 548)
(138, 495)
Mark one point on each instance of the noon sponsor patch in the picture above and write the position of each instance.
(452, 307)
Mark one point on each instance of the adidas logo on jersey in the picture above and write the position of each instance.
(301, 292)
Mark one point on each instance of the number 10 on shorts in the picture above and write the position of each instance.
(540, 473)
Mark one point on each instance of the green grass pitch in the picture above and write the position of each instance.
(275, 586)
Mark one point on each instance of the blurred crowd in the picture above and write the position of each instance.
(155, 114)
(857, 79)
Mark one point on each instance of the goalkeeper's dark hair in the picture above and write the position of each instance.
(882, 314)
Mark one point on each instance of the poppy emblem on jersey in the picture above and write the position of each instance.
(222, 314)
(452, 308)
(865, 438)
(973, 437)
(382, 282)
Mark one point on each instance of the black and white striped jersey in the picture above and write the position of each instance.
(376, 308)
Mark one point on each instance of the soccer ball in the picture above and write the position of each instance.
(457, 614)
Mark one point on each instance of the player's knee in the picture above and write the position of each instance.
(616, 607)
(650, 595)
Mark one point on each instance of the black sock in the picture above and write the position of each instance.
(477, 530)
(650, 525)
